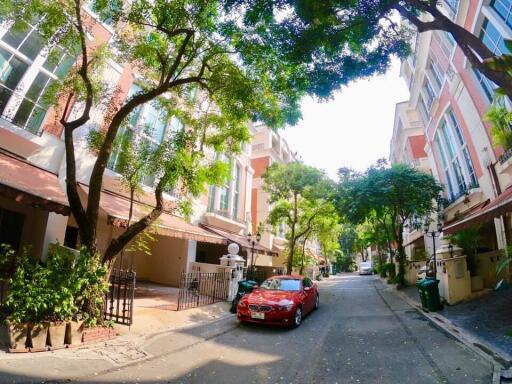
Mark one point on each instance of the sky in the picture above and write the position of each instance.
(354, 128)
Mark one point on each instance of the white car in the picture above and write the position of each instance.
(366, 268)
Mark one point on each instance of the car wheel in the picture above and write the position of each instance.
(317, 302)
(297, 317)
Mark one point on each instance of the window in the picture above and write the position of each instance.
(504, 9)
(492, 38)
(236, 190)
(423, 110)
(429, 95)
(19, 46)
(453, 4)
(445, 42)
(454, 154)
(11, 226)
(435, 72)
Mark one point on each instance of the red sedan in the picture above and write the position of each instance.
(280, 300)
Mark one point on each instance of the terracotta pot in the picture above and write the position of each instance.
(17, 335)
(74, 332)
(57, 334)
(38, 335)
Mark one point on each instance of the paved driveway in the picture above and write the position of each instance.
(362, 333)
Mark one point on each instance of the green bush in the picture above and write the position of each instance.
(65, 286)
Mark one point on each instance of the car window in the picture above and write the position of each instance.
(281, 284)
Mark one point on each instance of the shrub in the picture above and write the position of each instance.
(65, 286)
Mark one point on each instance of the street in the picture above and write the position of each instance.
(362, 333)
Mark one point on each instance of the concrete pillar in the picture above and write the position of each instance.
(55, 231)
(191, 254)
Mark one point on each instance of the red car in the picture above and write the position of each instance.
(279, 300)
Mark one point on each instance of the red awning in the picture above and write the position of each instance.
(30, 185)
(486, 212)
(117, 208)
(240, 240)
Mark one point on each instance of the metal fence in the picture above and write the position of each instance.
(202, 288)
(119, 298)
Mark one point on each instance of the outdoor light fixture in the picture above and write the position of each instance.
(252, 239)
(450, 249)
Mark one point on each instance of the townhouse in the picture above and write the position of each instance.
(33, 205)
(448, 102)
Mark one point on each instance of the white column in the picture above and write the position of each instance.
(55, 231)
(191, 254)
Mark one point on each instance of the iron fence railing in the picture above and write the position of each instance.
(119, 298)
(202, 288)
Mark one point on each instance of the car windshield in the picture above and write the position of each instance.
(281, 284)
(365, 265)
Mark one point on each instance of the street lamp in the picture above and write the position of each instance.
(436, 232)
(253, 239)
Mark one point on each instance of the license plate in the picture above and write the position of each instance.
(258, 315)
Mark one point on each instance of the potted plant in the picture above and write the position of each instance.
(74, 332)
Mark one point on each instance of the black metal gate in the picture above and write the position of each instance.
(119, 298)
(202, 288)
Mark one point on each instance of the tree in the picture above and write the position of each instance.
(177, 47)
(347, 39)
(299, 194)
(400, 191)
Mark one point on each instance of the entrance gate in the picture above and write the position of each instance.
(202, 288)
(119, 298)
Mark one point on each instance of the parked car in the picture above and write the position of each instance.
(279, 300)
(366, 268)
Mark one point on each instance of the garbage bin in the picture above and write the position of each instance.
(421, 291)
(246, 286)
(432, 298)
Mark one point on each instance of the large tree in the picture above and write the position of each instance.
(299, 195)
(174, 47)
(347, 39)
(400, 191)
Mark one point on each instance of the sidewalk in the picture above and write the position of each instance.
(155, 332)
(487, 319)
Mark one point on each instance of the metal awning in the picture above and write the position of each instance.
(484, 213)
(117, 208)
(30, 185)
(240, 240)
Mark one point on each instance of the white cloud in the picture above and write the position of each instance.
(351, 130)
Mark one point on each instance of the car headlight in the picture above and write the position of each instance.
(285, 307)
(242, 304)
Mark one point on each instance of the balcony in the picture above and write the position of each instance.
(454, 197)
(224, 220)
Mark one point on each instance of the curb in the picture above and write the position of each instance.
(499, 362)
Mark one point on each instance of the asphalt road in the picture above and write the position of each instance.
(362, 333)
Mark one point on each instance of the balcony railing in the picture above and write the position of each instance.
(455, 196)
(507, 155)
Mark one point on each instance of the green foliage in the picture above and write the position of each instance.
(345, 262)
(469, 240)
(64, 287)
(501, 119)
(387, 197)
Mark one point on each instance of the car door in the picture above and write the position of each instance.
(309, 293)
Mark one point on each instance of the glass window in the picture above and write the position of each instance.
(211, 198)
(423, 110)
(435, 72)
(429, 94)
(504, 9)
(236, 191)
(12, 69)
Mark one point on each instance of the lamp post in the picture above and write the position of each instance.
(433, 234)
(253, 239)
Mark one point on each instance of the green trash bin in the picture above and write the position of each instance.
(433, 300)
(421, 291)
(246, 286)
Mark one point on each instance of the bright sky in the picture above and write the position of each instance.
(353, 129)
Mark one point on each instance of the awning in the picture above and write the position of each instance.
(30, 185)
(486, 212)
(240, 240)
(117, 208)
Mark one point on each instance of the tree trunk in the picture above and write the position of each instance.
(293, 240)
(401, 256)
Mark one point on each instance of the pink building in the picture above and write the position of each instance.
(451, 98)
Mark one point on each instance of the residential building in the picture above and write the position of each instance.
(33, 204)
(268, 147)
(451, 99)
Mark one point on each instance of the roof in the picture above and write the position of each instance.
(117, 208)
(240, 240)
(484, 213)
(30, 185)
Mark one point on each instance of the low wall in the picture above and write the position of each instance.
(411, 270)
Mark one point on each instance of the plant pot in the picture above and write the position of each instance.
(74, 332)
(38, 335)
(57, 334)
(17, 335)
